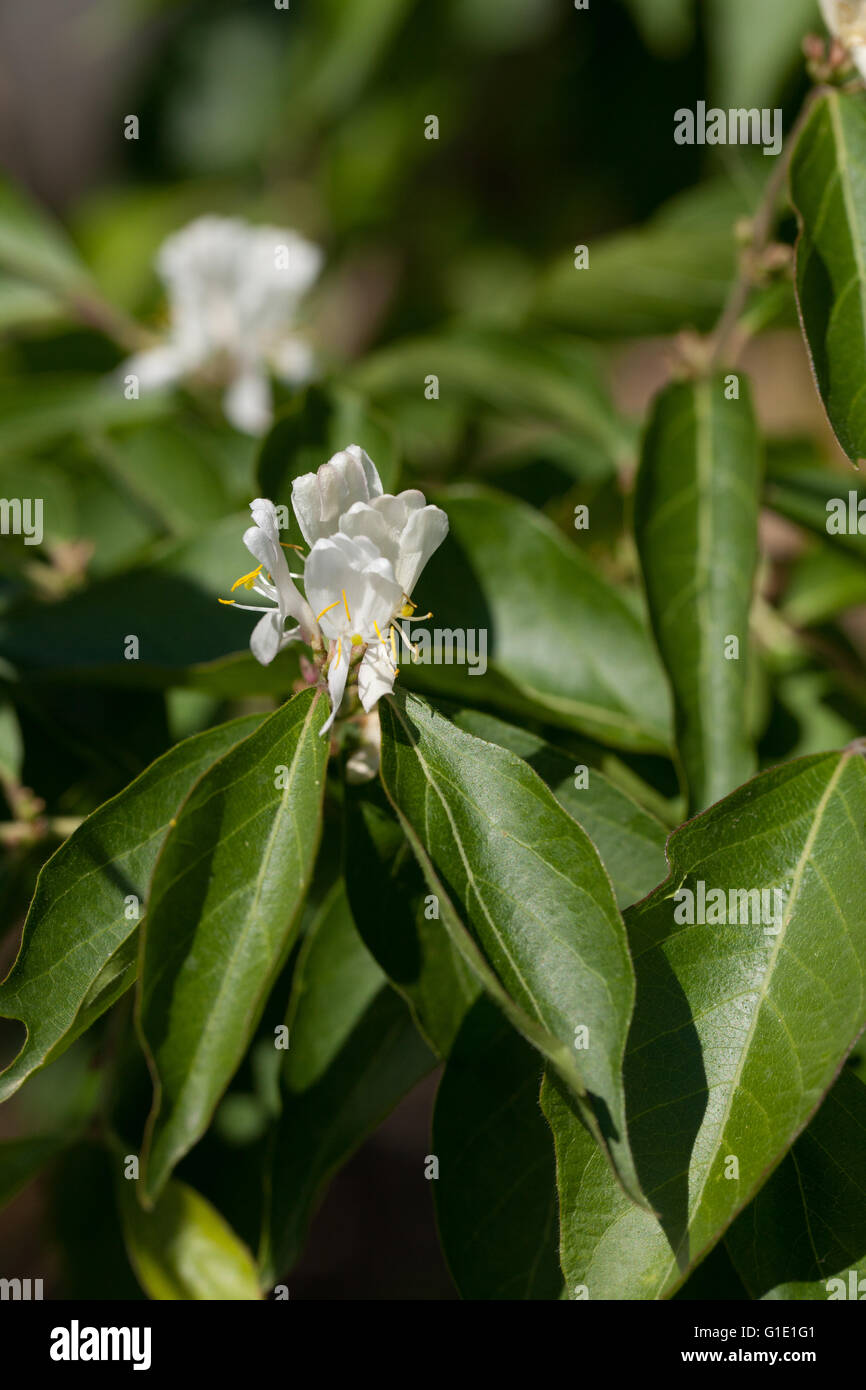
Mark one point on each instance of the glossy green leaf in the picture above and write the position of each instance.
(525, 899)
(496, 1201)
(224, 904)
(561, 642)
(739, 1030)
(630, 841)
(804, 1235)
(828, 188)
(184, 1250)
(398, 921)
(696, 523)
(353, 1053)
(78, 951)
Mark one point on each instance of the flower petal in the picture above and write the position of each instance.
(266, 637)
(321, 498)
(376, 676)
(338, 672)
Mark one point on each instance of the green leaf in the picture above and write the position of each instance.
(354, 1052)
(807, 1225)
(394, 919)
(696, 523)
(525, 899)
(224, 904)
(183, 1249)
(33, 247)
(40, 411)
(11, 744)
(496, 1202)
(828, 189)
(561, 643)
(556, 380)
(21, 1160)
(630, 841)
(729, 1054)
(78, 952)
(674, 270)
(823, 502)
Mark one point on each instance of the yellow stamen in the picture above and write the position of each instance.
(247, 579)
(408, 609)
(335, 604)
(287, 545)
(422, 616)
(346, 606)
(378, 632)
(393, 647)
(357, 640)
(227, 601)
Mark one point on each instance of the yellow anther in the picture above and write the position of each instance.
(227, 601)
(335, 604)
(422, 617)
(287, 545)
(378, 631)
(346, 606)
(408, 609)
(247, 579)
(393, 648)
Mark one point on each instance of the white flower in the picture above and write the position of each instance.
(262, 540)
(233, 294)
(362, 614)
(346, 495)
(846, 20)
(367, 550)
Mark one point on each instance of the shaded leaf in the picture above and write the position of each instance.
(496, 1201)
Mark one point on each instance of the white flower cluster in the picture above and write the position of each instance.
(846, 20)
(367, 549)
(233, 292)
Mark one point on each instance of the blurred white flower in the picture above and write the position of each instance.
(233, 293)
(846, 20)
(367, 551)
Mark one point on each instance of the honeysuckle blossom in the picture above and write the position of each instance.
(846, 20)
(233, 293)
(367, 550)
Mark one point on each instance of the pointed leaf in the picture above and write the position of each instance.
(525, 899)
(224, 903)
(696, 522)
(828, 189)
(739, 1030)
(78, 952)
